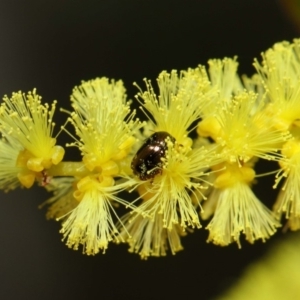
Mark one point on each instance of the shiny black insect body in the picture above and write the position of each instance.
(147, 162)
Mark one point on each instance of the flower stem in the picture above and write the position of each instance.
(68, 168)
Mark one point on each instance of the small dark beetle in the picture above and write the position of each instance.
(147, 163)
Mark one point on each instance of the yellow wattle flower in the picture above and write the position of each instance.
(103, 123)
(91, 223)
(239, 121)
(279, 71)
(243, 130)
(105, 133)
(149, 237)
(177, 106)
(9, 171)
(237, 210)
(62, 201)
(25, 119)
(288, 200)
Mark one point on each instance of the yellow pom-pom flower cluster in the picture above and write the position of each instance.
(192, 159)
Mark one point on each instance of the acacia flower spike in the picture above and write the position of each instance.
(178, 178)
